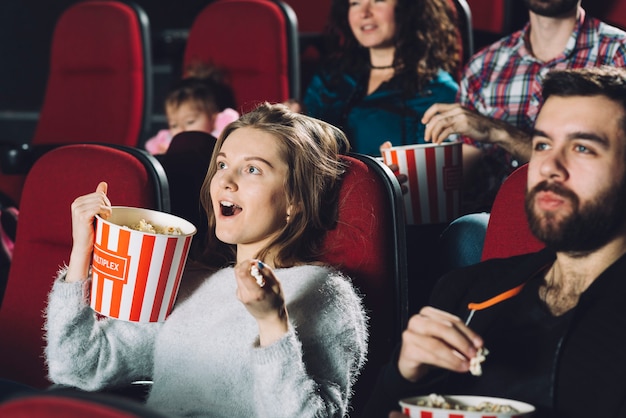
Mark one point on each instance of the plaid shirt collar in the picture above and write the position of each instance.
(582, 37)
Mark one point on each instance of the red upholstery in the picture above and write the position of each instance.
(255, 42)
(59, 404)
(508, 233)
(490, 16)
(368, 245)
(43, 238)
(312, 15)
(609, 11)
(98, 88)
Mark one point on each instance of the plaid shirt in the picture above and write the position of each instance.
(503, 81)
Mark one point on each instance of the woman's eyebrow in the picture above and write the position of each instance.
(263, 160)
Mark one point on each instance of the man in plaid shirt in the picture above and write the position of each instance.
(500, 92)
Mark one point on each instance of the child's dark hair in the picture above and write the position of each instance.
(206, 87)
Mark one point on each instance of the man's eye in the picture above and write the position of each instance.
(541, 146)
(582, 149)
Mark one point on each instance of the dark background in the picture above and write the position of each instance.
(26, 28)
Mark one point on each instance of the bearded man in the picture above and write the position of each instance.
(557, 341)
(500, 93)
(497, 103)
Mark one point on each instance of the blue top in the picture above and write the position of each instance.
(385, 115)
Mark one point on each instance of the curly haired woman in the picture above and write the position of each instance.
(389, 61)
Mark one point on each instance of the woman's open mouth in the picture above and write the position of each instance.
(229, 208)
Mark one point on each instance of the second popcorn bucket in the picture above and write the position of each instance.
(136, 273)
(435, 174)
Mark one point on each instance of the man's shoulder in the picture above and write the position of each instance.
(604, 32)
(505, 45)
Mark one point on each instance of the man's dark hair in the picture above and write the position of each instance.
(593, 81)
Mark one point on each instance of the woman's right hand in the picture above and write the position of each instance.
(84, 210)
(436, 338)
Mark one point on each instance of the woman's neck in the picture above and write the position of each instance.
(382, 58)
(381, 67)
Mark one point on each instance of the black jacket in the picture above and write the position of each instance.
(570, 366)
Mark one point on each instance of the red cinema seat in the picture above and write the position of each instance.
(44, 237)
(508, 233)
(64, 404)
(368, 244)
(255, 42)
(98, 88)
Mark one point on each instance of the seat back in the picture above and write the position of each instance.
(99, 88)
(186, 163)
(491, 16)
(74, 404)
(508, 233)
(99, 85)
(255, 42)
(609, 11)
(44, 237)
(368, 245)
(312, 15)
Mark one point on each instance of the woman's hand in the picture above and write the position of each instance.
(402, 178)
(84, 210)
(436, 338)
(263, 298)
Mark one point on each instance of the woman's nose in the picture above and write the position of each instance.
(227, 179)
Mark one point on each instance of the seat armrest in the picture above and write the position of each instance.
(17, 159)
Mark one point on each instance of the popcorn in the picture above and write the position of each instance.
(254, 271)
(438, 401)
(145, 226)
(475, 363)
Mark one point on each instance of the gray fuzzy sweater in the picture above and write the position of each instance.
(205, 359)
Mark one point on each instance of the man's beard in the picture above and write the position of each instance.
(551, 8)
(587, 227)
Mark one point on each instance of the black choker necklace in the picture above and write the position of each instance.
(383, 67)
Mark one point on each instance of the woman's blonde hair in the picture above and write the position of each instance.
(311, 148)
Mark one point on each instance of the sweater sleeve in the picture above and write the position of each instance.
(90, 353)
(311, 370)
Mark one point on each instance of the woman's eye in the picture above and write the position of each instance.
(221, 165)
(253, 170)
(190, 122)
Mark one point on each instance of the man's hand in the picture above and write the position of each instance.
(436, 338)
(443, 120)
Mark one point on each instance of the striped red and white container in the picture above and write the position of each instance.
(410, 408)
(435, 174)
(136, 275)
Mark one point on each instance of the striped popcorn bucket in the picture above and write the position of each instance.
(435, 173)
(136, 274)
(483, 407)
